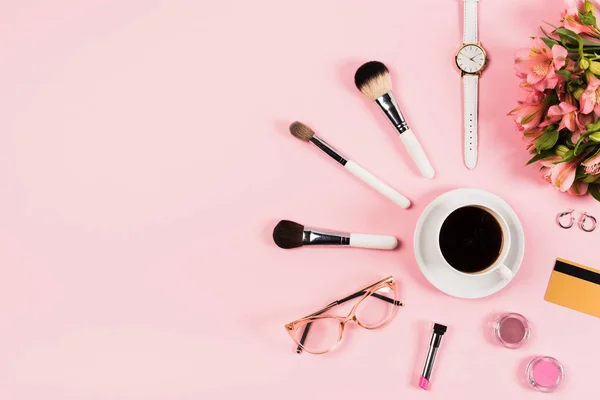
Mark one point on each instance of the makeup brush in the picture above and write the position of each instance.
(374, 81)
(306, 134)
(289, 235)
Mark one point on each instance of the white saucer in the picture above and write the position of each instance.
(434, 266)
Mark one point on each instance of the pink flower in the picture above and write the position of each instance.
(529, 137)
(538, 65)
(582, 121)
(547, 168)
(592, 165)
(572, 66)
(561, 176)
(533, 134)
(572, 21)
(579, 188)
(534, 96)
(528, 115)
(590, 98)
(565, 113)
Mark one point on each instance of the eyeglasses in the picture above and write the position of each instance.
(376, 307)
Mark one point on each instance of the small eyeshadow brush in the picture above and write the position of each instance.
(290, 234)
(306, 134)
(374, 81)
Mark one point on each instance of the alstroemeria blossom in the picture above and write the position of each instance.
(563, 175)
(565, 113)
(590, 98)
(547, 167)
(572, 21)
(579, 188)
(528, 115)
(592, 165)
(582, 121)
(538, 65)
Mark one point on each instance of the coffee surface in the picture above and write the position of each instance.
(471, 239)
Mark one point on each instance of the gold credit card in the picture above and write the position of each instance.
(575, 286)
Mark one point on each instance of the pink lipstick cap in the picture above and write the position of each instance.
(423, 383)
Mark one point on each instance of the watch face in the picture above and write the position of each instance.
(470, 59)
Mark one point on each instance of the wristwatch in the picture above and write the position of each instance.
(471, 59)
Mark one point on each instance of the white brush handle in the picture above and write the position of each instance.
(416, 153)
(377, 184)
(367, 241)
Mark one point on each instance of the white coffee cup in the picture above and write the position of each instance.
(497, 267)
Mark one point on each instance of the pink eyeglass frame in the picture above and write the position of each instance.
(362, 294)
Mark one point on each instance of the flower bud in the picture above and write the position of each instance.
(595, 137)
(584, 63)
(577, 93)
(594, 67)
(588, 7)
(561, 150)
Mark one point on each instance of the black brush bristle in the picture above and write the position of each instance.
(440, 329)
(367, 72)
(288, 234)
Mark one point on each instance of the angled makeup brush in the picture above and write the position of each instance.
(289, 235)
(374, 81)
(306, 134)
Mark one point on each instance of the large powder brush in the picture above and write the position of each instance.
(374, 82)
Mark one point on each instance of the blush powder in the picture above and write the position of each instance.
(545, 374)
(512, 330)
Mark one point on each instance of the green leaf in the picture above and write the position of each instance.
(549, 24)
(567, 35)
(583, 148)
(544, 154)
(591, 128)
(580, 146)
(593, 153)
(566, 158)
(587, 19)
(550, 42)
(565, 73)
(594, 191)
(580, 173)
(590, 178)
(546, 141)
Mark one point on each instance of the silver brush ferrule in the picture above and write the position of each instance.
(320, 237)
(391, 110)
(333, 153)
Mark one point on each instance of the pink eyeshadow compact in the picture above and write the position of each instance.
(545, 374)
(511, 330)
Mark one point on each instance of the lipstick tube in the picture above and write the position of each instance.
(434, 344)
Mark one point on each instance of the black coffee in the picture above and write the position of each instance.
(471, 239)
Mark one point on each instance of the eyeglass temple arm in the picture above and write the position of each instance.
(338, 302)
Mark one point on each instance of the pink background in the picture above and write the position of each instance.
(145, 158)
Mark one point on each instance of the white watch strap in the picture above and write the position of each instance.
(470, 94)
(470, 21)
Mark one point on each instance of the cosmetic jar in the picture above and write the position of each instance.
(512, 330)
(545, 374)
